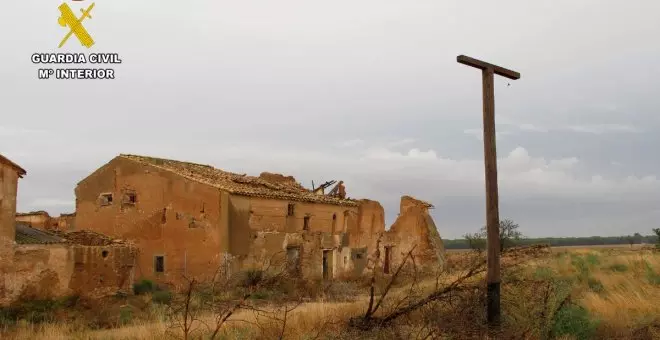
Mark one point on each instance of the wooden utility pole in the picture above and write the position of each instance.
(490, 162)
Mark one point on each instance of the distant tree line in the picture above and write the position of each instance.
(510, 236)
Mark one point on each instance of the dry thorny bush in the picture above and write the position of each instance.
(205, 307)
(453, 304)
(411, 303)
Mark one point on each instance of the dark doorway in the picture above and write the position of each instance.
(159, 264)
(326, 264)
(388, 259)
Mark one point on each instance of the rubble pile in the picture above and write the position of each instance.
(89, 238)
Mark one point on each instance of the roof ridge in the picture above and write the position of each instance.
(130, 156)
(239, 184)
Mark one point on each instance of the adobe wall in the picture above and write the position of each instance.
(408, 202)
(40, 272)
(66, 222)
(8, 187)
(263, 230)
(99, 271)
(39, 220)
(370, 223)
(415, 227)
(50, 271)
(172, 217)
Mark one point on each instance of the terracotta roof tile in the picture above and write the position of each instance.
(240, 184)
(28, 235)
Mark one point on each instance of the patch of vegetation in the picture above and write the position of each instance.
(593, 259)
(574, 321)
(581, 265)
(464, 243)
(618, 267)
(163, 297)
(342, 291)
(35, 311)
(125, 315)
(510, 236)
(143, 287)
(651, 275)
(544, 273)
(595, 285)
(251, 278)
(263, 294)
(238, 333)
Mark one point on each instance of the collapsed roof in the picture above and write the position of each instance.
(267, 185)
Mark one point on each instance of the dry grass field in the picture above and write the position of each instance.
(560, 293)
(561, 248)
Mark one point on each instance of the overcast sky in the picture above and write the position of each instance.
(364, 91)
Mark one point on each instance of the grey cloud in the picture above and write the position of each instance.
(365, 91)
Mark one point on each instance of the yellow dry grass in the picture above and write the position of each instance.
(629, 299)
(308, 318)
(629, 279)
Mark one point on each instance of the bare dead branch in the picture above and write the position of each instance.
(372, 287)
(391, 282)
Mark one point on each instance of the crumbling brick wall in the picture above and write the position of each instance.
(8, 187)
(102, 270)
(370, 224)
(37, 219)
(172, 218)
(264, 230)
(44, 271)
(66, 222)
(40, 272)
(415, 228)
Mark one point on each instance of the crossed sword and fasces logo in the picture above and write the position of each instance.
(75, 24)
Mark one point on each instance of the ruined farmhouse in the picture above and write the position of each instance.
(142, 217)
(35, 264)
(191, 219)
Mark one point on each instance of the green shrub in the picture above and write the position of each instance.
(144, 286)
(125, 315)
(618, 267)
(593, 259)
(573, 320)
(162, 297)
(251, 278)
(35, 311)
(595, 285)
(544, 273)
(653, 277)
(581, 265)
